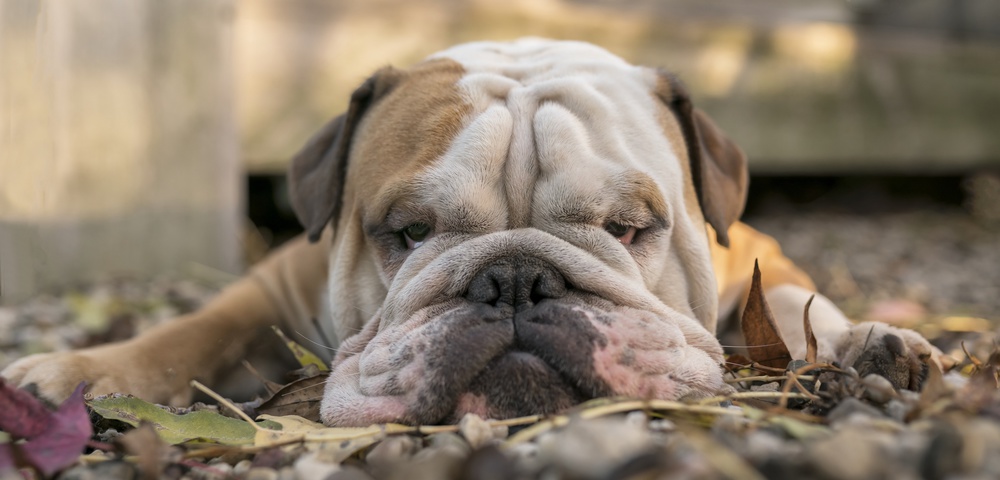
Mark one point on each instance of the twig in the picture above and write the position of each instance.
(767, 378)
(746, 395)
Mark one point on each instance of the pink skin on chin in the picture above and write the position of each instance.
(639, 357)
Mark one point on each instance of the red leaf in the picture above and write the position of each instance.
(21, 414)
(62, 443)
(6, 459)
(764, 344)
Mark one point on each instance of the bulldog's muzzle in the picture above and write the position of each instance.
(537, 326)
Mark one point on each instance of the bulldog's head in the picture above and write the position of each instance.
(518, 227)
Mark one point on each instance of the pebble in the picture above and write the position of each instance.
(261, 473)
(242, 467)
(591, 449)
(662, 425)
(288, 473)
(448, 441)
(310, 466)
(432, 463)
(475, 430)
(350, 473)
(852, 453)
(878, 389)
(392, 450)
(851, 406)
(116, 469)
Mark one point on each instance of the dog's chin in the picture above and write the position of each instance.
(517, 384)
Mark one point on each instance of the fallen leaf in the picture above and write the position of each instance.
(6, 459)
(763, 342)
(810, 337)
(303, 355)
(202, 425)
(149, 449)
(62, 438)
(301, 397)
(21, 414)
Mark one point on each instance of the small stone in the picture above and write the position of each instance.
(489, 463)
(116, 469)
(475, 430)
(525, 456)
(287, 473)
(449, 441)
(662, 425)
(853, 453)
(851, 406)
(261, 473)
(637, 419)
(215, 471)
(897, 410)
(310, 466)
(500, 432)
(392, 450)
(349, 472)
(878, 389)
(242, 467)
(592, 448)
(433, 463)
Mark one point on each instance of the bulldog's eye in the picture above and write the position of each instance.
(624, 233)
(414, 235)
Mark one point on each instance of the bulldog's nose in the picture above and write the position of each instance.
(519, 282)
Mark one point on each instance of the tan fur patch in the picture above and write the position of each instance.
(672, 129)
(408, 129)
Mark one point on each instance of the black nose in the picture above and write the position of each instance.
(518, 282)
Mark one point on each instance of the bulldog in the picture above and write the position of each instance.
(502, 229)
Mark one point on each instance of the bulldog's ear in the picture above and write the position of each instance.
(718, 166)
(317, 173)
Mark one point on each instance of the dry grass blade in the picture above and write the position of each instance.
(810, 337)
(764, 343)
(530, 433)
(767, 378)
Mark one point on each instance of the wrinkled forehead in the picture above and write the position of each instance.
(540, 123)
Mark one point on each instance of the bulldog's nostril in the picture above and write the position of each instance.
(487, 286)
(517, 282)
(548, 284)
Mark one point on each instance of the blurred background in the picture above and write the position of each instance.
(143, 143)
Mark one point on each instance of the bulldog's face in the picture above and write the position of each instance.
(518, 228)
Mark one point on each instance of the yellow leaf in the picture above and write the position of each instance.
(304, 356)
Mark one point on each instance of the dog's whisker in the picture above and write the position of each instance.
(753, 346)
(323, 346)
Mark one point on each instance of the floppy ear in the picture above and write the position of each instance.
(317, 173)
(718, 166)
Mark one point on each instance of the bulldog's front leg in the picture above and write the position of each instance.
(159, 365)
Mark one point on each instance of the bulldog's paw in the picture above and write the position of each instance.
(109, 369)
(901, 356)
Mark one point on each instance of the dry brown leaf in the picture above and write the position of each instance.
(301, 397)
(149, 449)
(764, 344)
(810, 337)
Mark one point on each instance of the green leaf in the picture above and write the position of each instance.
(199, 426)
